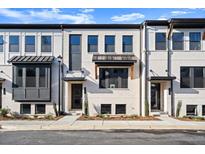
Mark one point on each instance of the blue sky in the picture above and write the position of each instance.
(98, 15)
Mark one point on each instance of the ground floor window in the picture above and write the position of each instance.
(191, 110)
(105, 108)
(25, 108)
(203, 110)
(120, 109)
(40, 109)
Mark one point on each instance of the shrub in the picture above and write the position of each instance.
(179, 105)
(49, 116)
(146, 108)
(4, 112)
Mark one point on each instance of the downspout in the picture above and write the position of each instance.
(169, 67)
(140, 69)
(62, 71)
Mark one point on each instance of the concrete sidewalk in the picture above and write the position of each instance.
(71, 123)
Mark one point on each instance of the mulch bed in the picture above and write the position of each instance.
(201, 119)
(28, 118)
(134, 117)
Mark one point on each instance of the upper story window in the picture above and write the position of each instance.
(127, 44)
(30, 44)
(113, 77)
(160, 41)
(178, 41)
(1, 43)
(194, 41)
(109, 43)
(192, 77)
(45, 43)
(13, 43)
(92, 43)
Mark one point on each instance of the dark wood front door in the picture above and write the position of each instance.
(76, 96)
(155, 96)
(0, 95)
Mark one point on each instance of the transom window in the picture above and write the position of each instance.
(160, 41)
(192, 77)
(113, 77)
(195, 41)
(127, 44)
(109, 43)
(178, 41)
(191, 110)
(1, 43)
(92, 43)
(25, 108)
(13, 43)
(120, 109)
(40, 109)
(30, 44)
(106, 109)
(45, 43)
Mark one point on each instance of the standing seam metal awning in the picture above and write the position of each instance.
(165, 78)
(31, 59)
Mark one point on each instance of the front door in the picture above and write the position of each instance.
(155, 96)
(76, 96)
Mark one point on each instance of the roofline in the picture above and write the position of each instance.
(70, 26)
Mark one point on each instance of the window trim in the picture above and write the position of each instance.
(50, 44)
(27, 44)
(18, 43)
(156, 41)
(89, 44)
(180, 41)
(126, 44)
(200, 41)
(106, 44)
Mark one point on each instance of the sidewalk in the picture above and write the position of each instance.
(71, 123)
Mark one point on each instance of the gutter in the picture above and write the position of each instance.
(140, 69)
(62, 70)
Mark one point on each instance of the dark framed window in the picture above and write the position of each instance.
(113, 77)
(194, 41)
(25, 108)
(75, 52)
(203, 110)
(30, 44)
(92, 43)
(43, 77)
(178, 41)
(109, 43)
(1, 43)
(120, 109)
(191, 110)
(198, 77)
(45, 43)
(19, 76)
(160, 41)
(40, 109)
(14, 43)
(105, 108)
(30, 77)
(185, 77)
(127, 43)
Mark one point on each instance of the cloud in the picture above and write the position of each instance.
(178, 13)
(47, 15)
(87, 10)
(127, 17)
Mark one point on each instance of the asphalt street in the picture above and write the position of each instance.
(104, 137)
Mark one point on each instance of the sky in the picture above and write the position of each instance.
(98, 15)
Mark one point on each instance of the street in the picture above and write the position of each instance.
(105, 137)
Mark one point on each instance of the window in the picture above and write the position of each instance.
(43, 77)
(203, 110)
(40, 109)
(75, 52)
(19, 76)
(92, 43)
(113, 77)
(178, 41)
(127, 44)
(120, 109)
(25, 108)
(110, 43)
(191, 110)
(30, 77)
(195, 41)
(30, 44)
(192, 77)
(1, 43)
(160, 41)
(13, 43)
(105, 108)
(45, 43)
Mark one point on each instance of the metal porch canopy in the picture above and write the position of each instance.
(31, 59)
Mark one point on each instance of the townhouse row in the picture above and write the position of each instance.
(114, 68)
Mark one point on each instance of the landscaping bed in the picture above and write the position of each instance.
(3, 118)
(122, 117)
(189, 118)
